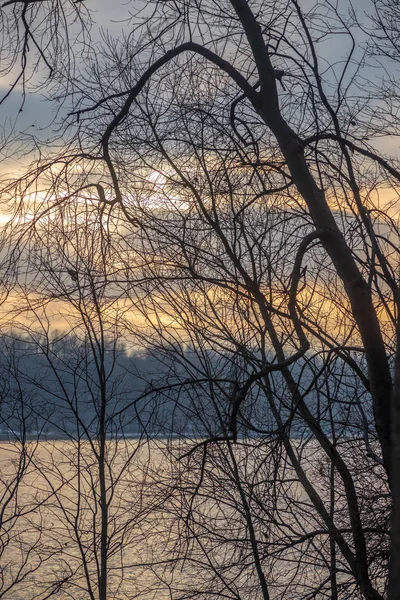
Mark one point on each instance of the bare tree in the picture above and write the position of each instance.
(235, 159)
(90, 474)
(35, 39)
(23, 552)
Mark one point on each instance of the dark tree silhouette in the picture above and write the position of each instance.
(234, 157)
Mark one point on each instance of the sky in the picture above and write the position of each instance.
(40, 116)
(34, 114)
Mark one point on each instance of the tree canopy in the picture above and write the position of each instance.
(220, 186)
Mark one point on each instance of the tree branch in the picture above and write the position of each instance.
(331, 136)
(220, 62)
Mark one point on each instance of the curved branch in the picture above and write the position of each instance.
(296, 274)
(220, 62)
(269, 368)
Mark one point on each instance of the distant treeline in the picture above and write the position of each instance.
(67, 387)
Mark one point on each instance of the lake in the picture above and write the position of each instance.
(175, 522)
